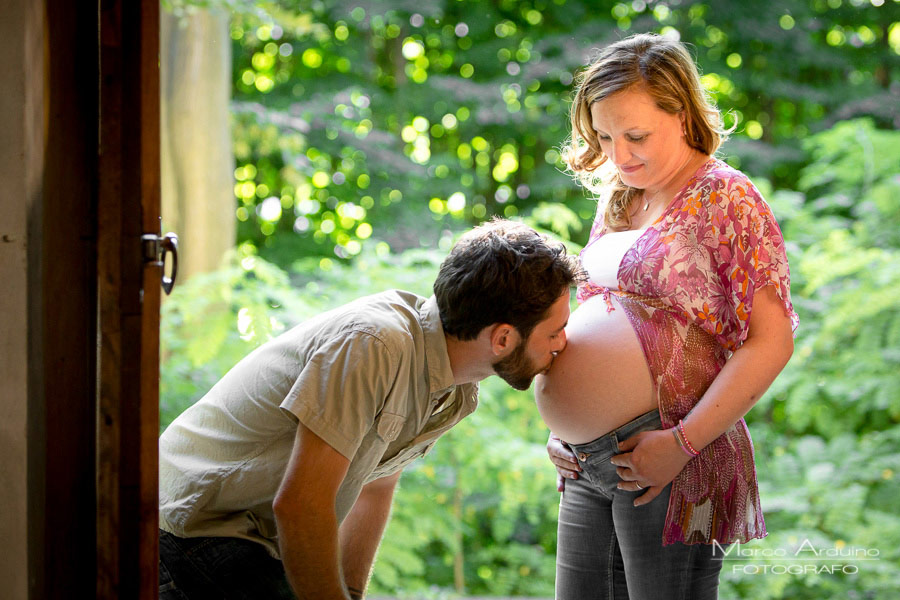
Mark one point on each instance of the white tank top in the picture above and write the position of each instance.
(602, 257)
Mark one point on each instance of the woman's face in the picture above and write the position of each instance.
(644, 142)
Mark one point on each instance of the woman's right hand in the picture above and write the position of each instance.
(564, 459)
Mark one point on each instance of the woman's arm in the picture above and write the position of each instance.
(653, 458)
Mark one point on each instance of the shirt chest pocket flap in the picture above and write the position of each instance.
(389, 426)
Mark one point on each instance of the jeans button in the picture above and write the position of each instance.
(583, 456)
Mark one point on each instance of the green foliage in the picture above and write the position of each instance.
(212, 321)
(826, 432)
(845, 257)
(837, 496)
(366, 119)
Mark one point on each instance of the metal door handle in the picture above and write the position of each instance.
(155, 250)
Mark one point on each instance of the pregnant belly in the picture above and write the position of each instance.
(600, 381)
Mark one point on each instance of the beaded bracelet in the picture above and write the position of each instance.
(687, 442)
(680, 443)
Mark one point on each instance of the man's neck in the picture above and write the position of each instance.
(470, 360)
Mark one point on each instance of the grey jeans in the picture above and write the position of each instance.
(609, 549)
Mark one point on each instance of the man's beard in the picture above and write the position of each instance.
(517, 369)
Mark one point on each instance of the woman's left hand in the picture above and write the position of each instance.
(649, 460)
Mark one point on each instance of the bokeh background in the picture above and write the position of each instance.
(318, 151)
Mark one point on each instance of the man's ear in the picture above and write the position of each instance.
(504, 339)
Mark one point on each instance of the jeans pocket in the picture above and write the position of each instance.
(167, 588)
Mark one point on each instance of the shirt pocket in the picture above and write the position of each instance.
(389, 426)
(411, 454)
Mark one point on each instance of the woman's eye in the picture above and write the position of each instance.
(638, 138)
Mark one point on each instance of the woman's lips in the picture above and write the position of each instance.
(632, 169)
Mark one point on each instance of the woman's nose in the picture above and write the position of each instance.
(620, 153)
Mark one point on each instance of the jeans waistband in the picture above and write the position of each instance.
(607, 445)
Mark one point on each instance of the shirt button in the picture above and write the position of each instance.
(583, 456)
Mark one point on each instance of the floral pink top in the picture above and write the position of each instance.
(687, 285)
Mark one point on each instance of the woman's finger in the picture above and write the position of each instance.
(560, 483)
(567, 473)
(648, 496)
(626, 474)
(567, 468)
(622, 460)
(561, 455)
(558, 448)
(634, 485)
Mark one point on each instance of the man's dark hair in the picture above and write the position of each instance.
(502, 272)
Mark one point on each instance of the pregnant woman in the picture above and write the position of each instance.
(685, 321)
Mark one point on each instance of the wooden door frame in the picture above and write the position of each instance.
(93, 354)
(128, 299)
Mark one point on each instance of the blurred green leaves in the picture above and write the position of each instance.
(398, 108)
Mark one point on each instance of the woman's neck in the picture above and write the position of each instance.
(671, 187)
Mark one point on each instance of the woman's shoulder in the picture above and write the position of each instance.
(720, 175)
(722, 185)
(598, 226)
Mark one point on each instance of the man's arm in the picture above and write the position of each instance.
(361, 531)
(306, 518)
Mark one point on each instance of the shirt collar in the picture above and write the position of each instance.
(440, 375)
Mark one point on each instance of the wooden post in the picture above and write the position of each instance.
(128, 298)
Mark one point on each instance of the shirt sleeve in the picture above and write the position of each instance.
(751, 253)
(342, 388)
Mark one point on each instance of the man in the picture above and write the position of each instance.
(278, 483)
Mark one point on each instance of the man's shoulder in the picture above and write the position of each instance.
(392, 317)
(384, 313)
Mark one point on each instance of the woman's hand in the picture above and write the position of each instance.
(564, 460)
(649, 460)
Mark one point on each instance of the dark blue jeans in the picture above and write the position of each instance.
(218, 568)
(609, 549)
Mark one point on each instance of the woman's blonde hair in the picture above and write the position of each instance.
(667, 72)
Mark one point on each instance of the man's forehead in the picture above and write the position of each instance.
(559, 313)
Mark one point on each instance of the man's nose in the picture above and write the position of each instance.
(560, 343)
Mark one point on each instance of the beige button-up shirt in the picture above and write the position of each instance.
(371, 378)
